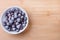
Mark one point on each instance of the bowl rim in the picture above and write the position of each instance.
(20, 30)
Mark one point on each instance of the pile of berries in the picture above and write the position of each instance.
(14, 19)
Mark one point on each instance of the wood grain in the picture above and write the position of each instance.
(44, 19)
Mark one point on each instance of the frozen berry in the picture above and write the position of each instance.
(18, 19)
(23, 25)
(25, 18)
(17, 30)
(12, 18)
(13, 29)
(9, 29)
(10, 21)
(13, 26)
(21, 16)
(16, 23)
(15, 15)
(6, 27)
(18, 26)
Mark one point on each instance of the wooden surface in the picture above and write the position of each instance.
(44, 19)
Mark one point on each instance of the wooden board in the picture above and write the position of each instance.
(44, 19)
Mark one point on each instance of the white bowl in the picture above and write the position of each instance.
(13, 31)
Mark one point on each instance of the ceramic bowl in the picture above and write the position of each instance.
(13, 32)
